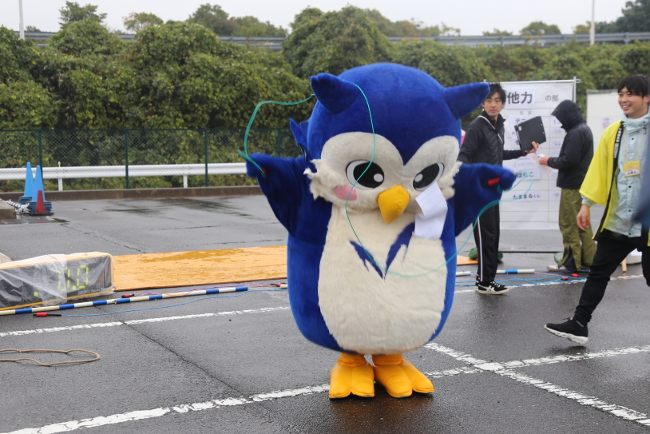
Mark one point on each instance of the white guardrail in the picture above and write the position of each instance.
(183, 170)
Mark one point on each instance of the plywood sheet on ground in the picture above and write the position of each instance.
(205, 267)
(464, 260)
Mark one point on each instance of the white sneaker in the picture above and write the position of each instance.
(555, 267)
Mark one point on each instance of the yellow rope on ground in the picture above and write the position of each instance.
(49, 351)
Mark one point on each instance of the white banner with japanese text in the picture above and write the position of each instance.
(534, 201)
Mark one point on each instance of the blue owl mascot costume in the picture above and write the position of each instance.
(372, 208)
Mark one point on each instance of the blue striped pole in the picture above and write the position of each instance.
(520, 271)
(123, 300)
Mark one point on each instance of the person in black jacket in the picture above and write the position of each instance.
(572, 164)
(483, 143)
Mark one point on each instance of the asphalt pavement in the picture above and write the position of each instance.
(236, 363)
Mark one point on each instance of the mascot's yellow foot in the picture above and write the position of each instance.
(400, 377)
(352, 375)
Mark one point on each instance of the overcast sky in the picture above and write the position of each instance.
(472, 17)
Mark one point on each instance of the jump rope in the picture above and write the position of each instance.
(247, 158)
(245, 155)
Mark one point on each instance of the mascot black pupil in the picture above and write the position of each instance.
(373, 177)
(426, 177)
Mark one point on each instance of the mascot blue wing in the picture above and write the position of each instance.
(283, 185)
(476, 186)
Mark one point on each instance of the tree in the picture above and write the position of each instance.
(566, 62)
(601, 27)
(636, 18)
(446, 30)
(25, 105)
(32, 29)
(252, 27)
(411, 28)
(450, 65)
(334, 42)
(138, 21)
(539, 28)
(214, 18)
(218, 20)
(389, 28)
(635, 58)
(512, 63)
(80, 38)
(497, 32)
(606, 73)
(188, 78)
(16, 57)
(74, 12)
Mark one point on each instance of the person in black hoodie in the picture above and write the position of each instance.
(483, 143)
(572, 164)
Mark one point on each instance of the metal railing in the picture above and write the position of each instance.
(542, 40)
(274, 43)
(96, 159)
(184, 170)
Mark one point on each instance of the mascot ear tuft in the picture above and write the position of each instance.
(463, 99)
(333, 93)
(299, 133)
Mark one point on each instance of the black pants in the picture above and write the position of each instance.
(486, 236)
(610, 252)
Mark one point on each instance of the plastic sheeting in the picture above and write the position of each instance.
(54, 279)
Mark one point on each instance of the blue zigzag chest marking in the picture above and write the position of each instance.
(403, 239)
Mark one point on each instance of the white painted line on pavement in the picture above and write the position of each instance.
(60, 329)
(141, 321)
(479, 366)
(590, 401)
(236, 312)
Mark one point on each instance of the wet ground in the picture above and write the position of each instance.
(236, 363)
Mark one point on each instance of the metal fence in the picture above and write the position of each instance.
(139, 147)
(274, 43)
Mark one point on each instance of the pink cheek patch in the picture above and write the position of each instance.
(342, 192)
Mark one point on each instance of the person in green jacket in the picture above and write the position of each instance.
(613, 180)
(572, 164)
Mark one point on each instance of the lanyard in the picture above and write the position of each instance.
(639, 146)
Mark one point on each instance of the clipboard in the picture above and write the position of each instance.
(531, 130)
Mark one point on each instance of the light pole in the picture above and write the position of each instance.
(592, 31)
(20, 16)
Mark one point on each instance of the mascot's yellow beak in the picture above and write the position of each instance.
(393, 202)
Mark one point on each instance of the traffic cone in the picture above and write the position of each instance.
(38, 182)
(41, 206)
(29, 185)
(40, 203)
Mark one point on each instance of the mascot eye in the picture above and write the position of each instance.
(428, 175)
(372, 178)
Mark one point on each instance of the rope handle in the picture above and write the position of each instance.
(244, 154)
(97, 357)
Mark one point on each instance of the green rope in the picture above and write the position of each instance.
(372, 158)
(244, 154)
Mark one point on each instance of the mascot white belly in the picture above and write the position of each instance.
(369, 310)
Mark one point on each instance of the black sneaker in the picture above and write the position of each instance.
(570, 329)
(492, 288)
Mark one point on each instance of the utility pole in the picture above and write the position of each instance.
(20, 15)
(592, 31)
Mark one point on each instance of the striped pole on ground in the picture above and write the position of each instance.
(123, 300)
